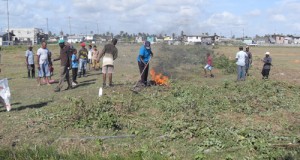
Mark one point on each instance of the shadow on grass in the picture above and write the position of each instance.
(31, 106)
(91, 80)
(84, 84)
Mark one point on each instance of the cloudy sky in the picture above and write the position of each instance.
(224, 17)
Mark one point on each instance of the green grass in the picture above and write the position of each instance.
(192, 118)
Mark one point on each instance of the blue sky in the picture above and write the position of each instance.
(224, 17)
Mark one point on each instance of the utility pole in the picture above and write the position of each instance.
(8, 38)
(97, 28)
(243, 34)
(70, 24)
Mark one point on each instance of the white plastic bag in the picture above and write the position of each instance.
(100, 91)
(5, 93)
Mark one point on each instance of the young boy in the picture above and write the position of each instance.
(74, 68)
(43, 64)
(208, 65)
(30, 62)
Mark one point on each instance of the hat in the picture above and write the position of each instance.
(267, 53)
(61, 41)
(147, 45)
(82, 44)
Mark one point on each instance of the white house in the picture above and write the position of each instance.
(194, 39)
(296, 39)
(27, 35)
(75, 39)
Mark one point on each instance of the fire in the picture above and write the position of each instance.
(159, 78)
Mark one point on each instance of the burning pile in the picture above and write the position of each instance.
(158, 78)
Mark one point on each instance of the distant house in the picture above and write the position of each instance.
(52, 39)
(272, 40)
(159, 39)
(168, 38)
(296, 39)
(27, 35)
(279, 39)
(193, 39)
(151, 39)
(261, 40)
(75, 38)
(7, 41)
(288, 40)
(139, 39)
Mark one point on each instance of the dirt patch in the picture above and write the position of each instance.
(296, 61)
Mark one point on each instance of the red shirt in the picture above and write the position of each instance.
(209, 60)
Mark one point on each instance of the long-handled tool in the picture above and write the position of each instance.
(140, 76)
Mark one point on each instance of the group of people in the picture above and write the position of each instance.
(244, 61)
(70, 61)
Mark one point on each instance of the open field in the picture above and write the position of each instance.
(192, 118)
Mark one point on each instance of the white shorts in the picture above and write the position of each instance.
(208, 67)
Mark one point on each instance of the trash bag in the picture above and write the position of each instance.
(5, 93)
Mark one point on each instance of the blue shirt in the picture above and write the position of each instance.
(145, 54)
(74, 61)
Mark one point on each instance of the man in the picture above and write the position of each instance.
(43, 63)
(248, 60)
(83, 59)
(90, 56)
(143, 59)
(267, 66)
(65, 58)
(109, 54)
(208, 65)
(29, 55)
(95, 56)
(241, 62)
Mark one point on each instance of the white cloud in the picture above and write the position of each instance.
(224, 19)
(278, 17)
(255, 12)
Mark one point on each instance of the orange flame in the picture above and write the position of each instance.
(159, 78)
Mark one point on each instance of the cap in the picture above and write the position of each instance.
(147, 45)
(61, 41)
(82, 44)
(267, 53)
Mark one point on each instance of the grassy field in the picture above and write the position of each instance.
(191, 118)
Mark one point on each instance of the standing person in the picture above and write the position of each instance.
(143, 59)
(90, 54)
(43, 63)
(209, 65)
(241, 62)
(30, 62)
(109, 54)
(83, 58)
(248, 60)
(95, 54)
(74, 67)
(65, 58)
(267, 66)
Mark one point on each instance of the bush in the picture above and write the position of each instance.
(228, 66)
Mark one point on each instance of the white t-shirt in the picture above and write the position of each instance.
(43, 53)
(90, 54)
(29, 54)
(241, 58)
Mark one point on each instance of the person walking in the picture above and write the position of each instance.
(145, 54)
(109, 54)
(241, 62)
(65, 58)
(43, 63)
(83, 59)
(74, 67)
(95, 56)
(29, 55)
(90, 56)
(209, 65)
(267, 66)
(248, 60)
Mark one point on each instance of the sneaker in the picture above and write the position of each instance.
(57, 90)
(85, 75)
(74, 84)
(212, 76)
(110, 85)
(8, 107)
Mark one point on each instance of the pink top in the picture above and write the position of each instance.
(209, 60)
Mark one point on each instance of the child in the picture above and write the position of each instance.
(74, 67)
(208, 65)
